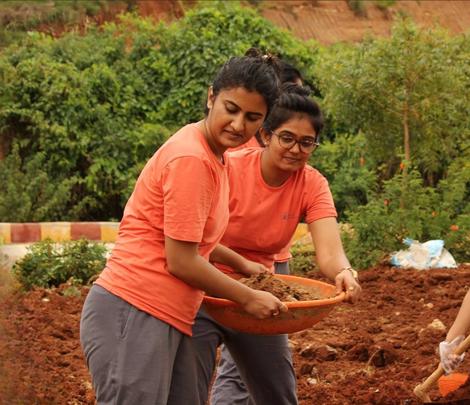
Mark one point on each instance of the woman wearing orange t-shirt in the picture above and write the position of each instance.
(271, 189)
(136, 322)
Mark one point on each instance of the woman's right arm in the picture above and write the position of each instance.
(455, 336)
(462, 322)
(185, 263)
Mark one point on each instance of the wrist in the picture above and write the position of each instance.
(350, 270)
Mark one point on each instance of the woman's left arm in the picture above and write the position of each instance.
(331, 258)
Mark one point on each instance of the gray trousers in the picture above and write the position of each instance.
(253, 369)
(133, 357)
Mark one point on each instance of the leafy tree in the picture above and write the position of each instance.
(408, 94)
(193, 48)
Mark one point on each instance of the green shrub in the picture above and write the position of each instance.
(407, 208)
(302, 260)
(352, 181)
(192, 49)
(99, 105)
(49, 264)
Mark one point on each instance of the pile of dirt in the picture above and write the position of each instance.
(286, 292)
(374, 352)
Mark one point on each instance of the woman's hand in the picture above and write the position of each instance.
(264, 305)
(345, 281)
(449, 360)
(251, 268)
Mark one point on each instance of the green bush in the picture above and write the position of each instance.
(30, 194)
(352, 181)
(99, 105)
(407, 208)
(302, 260)
(48, 264)
(192, 49)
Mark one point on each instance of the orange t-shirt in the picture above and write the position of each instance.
(252, 143)
(263, 219)
(284, 255)
(182, 193)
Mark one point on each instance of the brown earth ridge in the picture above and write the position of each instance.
(326, 21)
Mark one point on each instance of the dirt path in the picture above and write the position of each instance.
(371, 353)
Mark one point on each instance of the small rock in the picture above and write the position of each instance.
(437, 325)
(429, 305)
(312, 381)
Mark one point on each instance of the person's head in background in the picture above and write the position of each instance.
(242, 94)
(291, 131)
(287, 74)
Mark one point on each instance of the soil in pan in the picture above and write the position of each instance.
(279, 288)
(374, 352)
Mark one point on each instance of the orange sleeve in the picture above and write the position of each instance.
(320, 202)
(188, 189)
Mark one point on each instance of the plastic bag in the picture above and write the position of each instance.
(421, 256)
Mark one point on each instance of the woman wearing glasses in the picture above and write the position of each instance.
(271, 189)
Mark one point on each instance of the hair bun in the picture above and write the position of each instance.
(268, 58)
(254, 53)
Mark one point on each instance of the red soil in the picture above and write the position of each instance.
(327, 21)
(374, 352)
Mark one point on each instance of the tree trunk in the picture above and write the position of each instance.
(406, 142)
(406, 138)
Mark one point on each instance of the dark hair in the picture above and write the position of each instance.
(254, 71)
(289, 73)
(294, 100)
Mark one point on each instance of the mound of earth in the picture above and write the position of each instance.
(374, 352)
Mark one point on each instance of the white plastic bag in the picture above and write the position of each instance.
(421, 256)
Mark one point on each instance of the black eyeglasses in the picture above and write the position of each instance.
(307, 144)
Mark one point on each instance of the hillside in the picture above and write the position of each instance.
(334, 21)
(327, 21)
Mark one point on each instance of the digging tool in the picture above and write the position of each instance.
(421, 390)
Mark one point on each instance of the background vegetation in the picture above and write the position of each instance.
(49, 264)
(81, 114)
